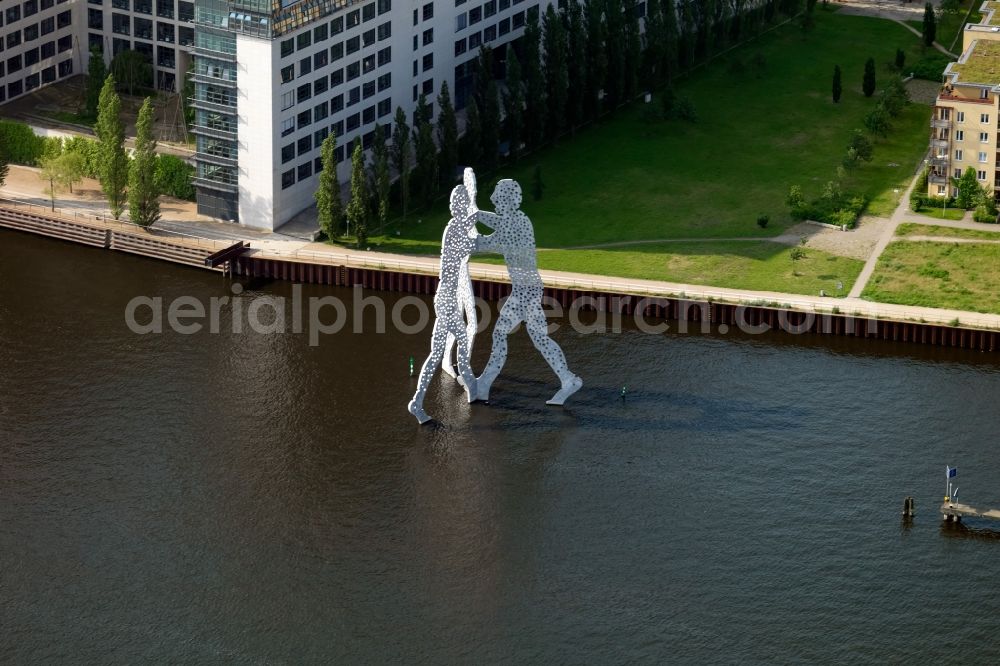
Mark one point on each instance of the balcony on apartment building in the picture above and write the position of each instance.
(937, 178)
(939, 161)
(938, 142)
(940, 123)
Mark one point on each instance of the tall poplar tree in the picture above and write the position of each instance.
(576, 51)
(489, 107)
(96, 73)
(401, 155)
(837, 85)
(473, 139)
(514, 105)
(556, 78)
(380, 175)
(447, 135)
(111, 148)
(536, 110)
(633, 50)
(930, 25)
(614, 45)
(653, 56)
(357, 209)
(670, 40)
(328, 204)
(426, 170)
(143, 194)
(597, 61)
(868, 84)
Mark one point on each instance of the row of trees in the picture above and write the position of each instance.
(131, 70)
(867, 82)
(571, 66)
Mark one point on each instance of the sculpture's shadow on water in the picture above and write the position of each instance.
(521, 402)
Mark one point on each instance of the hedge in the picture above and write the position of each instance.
(173, 177)
(22, 146)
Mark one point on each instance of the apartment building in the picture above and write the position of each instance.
(965, 126)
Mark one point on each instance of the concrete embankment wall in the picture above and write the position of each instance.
(707, 315)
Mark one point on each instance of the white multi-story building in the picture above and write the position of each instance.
(272, 78)
(272, 82)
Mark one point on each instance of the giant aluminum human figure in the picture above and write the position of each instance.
(466, 298)
(457, 244)
(514, 238)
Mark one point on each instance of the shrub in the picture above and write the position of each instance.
(173, 177)
(21, 145)
(930, 67)
(762, 221)
(984, 214)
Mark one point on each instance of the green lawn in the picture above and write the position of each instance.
(757, 265)
(911, 229)
(757, 134)
(942, 213)
(940, 275)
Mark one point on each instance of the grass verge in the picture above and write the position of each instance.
(938, 275)
(912, 229)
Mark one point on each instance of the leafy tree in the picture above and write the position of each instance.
(514, 105)
(536, 111)
(862, 146)
(556, 76)
(357, 209)
(401, 152)
(60, 171)
(132, 70)
(537, 186)
(900, 59)
(111, 139)
(877, 121)
(473, 138)
(96, 73)
(426, 170)
(597, 63)
(868, 85)
(143, 196)
(795, 198)
(837, 85)
(329, 208)
(447, 134)
(968, 189)
(380, 167)
(762, 221)
(930, 25)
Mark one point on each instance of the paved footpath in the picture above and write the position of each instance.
(182, 222)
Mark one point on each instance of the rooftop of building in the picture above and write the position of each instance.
(980, 64)
(994, 18)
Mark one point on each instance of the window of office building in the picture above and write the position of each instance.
(337, 104)
(384, 107)
(304, 119)
(47, 50)
(428, 11)
(31, 57)
(336, 52)
(460, 47)
(368, 38)
(384, 6)
(303, 92)
(428, 61)
(490, 8)
(353, 122)
(304, 145)
(368, 64)
(385, 31)
(368, 90)
(354, 96)
(31, 32)
(95, 19)
(504, 26)
(287, 179)
(165, 8)
(353, 45)
(321, 59)
(287, 100)
(120, 24)
(287, 47)
(320, 111)
(288, 73)
(305, 170)
(30, 8)
(305, 66)
(321, 85)
(490, 33)
(354, 18)
(385, 56)
(368, 12)
(353, 71)
(13, 39)
(64, 19)
(143, 27)
(65, 43)
(303, 41)
(337, 25)
(48, 75)
(287, 126)
(384, 82)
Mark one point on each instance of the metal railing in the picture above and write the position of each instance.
(104, 220)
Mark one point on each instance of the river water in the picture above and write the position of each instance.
(251, 498)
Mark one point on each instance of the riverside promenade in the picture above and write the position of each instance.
(183, 227)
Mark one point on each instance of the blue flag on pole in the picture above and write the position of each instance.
(952, 471)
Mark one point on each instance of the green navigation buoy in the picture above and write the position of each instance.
(411, 366)
(624, 391)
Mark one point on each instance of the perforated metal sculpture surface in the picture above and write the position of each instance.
(457, 244)
(514, 238)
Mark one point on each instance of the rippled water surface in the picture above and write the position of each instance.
(249, 498)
